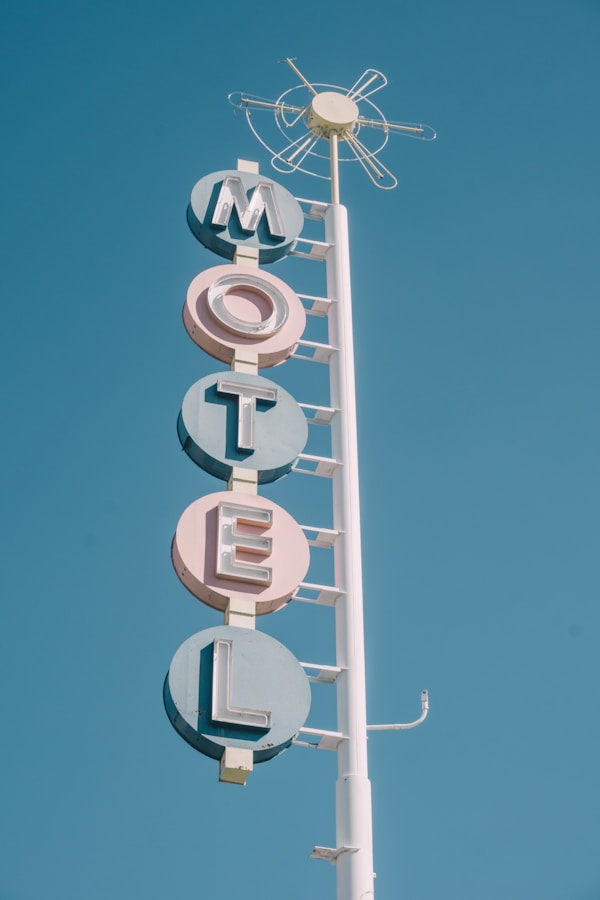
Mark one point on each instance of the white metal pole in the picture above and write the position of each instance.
(353, 789)
(334, 168)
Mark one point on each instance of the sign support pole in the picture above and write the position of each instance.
(354, 839)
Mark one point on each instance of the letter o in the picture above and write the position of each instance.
(235, 308)
(263, 328)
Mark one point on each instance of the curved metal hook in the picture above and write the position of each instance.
(399, 727)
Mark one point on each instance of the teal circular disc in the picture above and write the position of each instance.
(268, 440)
(236, 687)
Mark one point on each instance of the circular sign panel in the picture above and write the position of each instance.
(234, 545)
(231, 209)
(233, 419)
(236, 687)
(231, 308)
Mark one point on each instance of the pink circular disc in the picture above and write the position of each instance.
(233, 307)
(235, 545)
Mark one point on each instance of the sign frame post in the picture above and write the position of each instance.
(354, 831)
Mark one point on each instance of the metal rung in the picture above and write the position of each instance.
(322, 415)
(320, 353)
(320, 537)
(323, 465)
(318, 249)
(330, 854)
(316, 306)
(329, 740)
(324, 595)
(325, 674)
(316, 208)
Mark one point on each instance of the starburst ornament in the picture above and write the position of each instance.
(346, 118)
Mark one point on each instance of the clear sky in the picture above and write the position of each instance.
(477, 321)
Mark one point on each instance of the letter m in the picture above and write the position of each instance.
(249, 209)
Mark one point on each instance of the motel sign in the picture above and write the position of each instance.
(232, 692)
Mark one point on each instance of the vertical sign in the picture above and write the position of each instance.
(233, 693)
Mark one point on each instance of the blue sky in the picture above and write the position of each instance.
(475, 289)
